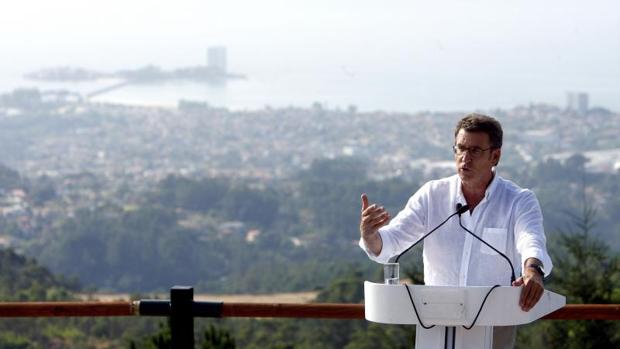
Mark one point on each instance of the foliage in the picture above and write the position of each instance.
(308, 231)
(213, 337)
(217, 338)
(302, 238)
(330, 192)
(23, 279)
(231, 201)
(160, 340)
(9, 340)
(414, 270)
(347, 287)
(586, 271)
(379, 336)
(9, 178)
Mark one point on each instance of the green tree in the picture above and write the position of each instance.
(586, 271)
(348, 288)
(217, 338)
(160, 340)
(9, 178)
(23, 279)
(9, 340)
(380, 336)
(212, 338)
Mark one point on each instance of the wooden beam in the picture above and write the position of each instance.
(65, 309)
(586, 312)
(313, 310)
(265, 310)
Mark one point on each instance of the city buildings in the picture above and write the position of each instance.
(577, 101)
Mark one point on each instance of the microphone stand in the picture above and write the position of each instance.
(459, 207)
(459, 210)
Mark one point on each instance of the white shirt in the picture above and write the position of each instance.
(508, 218)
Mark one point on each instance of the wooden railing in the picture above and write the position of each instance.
(262, 310)
(182, 309)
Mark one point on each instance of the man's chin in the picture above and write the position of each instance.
(465, 174)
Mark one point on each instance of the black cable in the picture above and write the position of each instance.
(512, 276)
(459, 211)
(465, 327)
(416, 310)
(480, 310)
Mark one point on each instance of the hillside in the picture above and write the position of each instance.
(23, 279)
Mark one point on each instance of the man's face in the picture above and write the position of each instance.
(474, 156)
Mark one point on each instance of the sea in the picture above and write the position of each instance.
(367, 88)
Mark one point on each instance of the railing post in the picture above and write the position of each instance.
(181, 317)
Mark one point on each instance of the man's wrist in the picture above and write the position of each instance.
(535, 264)
(537, 268)
(374, 243)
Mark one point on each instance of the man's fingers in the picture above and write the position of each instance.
(537, 295)
(534, 296)
(369, 210)
(518, 282)
(531, 293)
(375, 218)
(527, 303)
(372, 210)
(371, 214)
(364, 202)
(525, 291)
(531, 300)
(382, 221)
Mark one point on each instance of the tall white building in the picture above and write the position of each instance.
(216, 58)
(577, 101)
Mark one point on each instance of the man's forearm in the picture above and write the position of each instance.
(374, 243)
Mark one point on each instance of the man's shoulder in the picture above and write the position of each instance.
(441, 184)
(510, 188)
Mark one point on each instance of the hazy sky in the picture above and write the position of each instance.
(572, 33)
(479, 51)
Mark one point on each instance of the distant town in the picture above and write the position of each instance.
(65, 157)
(97, 153)
(57, 134)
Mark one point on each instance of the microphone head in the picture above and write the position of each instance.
(460, 208)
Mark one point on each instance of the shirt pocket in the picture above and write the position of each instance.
(495, 237)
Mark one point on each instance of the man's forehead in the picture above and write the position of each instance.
(464, 136)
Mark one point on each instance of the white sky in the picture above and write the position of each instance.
(579, 36)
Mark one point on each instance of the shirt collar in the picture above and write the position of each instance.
(491, 188)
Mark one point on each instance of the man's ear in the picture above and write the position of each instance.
(497, 154)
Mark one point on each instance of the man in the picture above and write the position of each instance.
(503, 214)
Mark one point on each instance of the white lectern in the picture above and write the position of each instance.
(463, 316)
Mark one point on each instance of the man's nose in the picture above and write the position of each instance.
(466, 156)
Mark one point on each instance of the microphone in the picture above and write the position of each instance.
(459, 210)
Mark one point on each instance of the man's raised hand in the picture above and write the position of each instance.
(372, 218)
